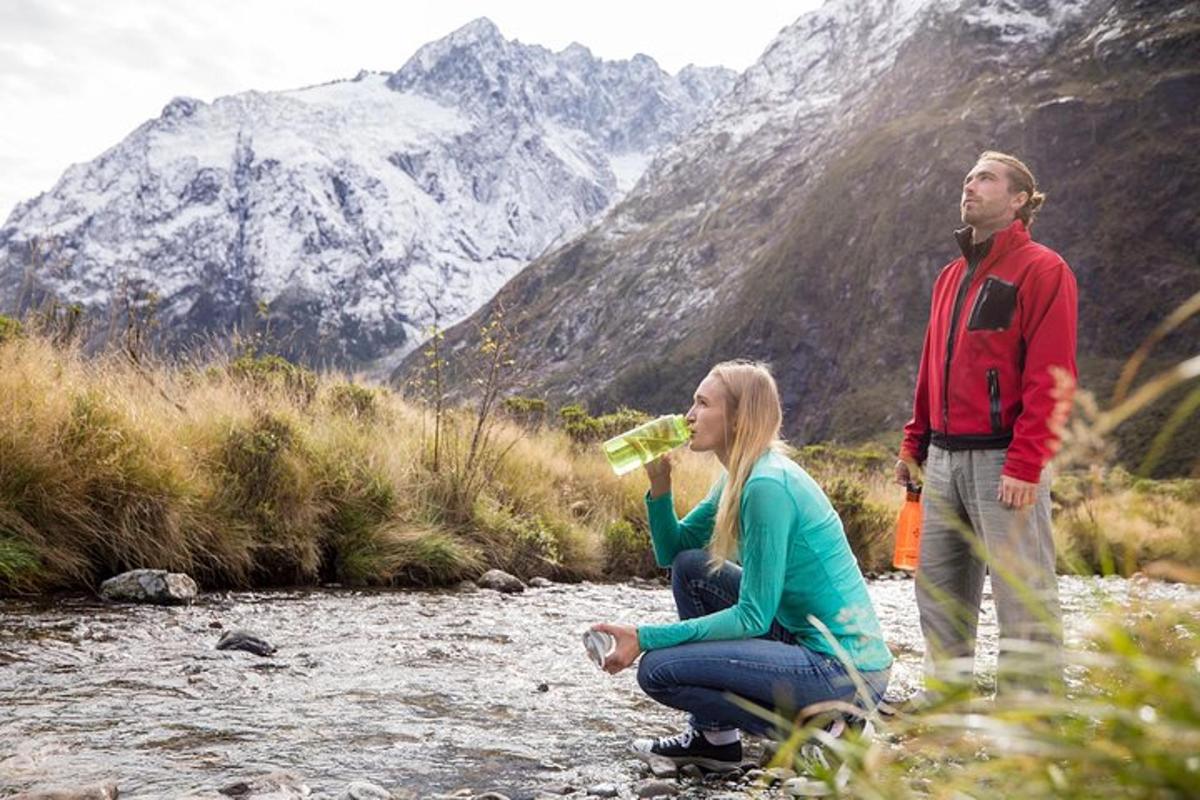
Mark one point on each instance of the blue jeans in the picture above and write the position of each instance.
(774, 671)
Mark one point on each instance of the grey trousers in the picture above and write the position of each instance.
(965, 532)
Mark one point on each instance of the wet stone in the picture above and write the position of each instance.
(362, 790)
(98, 791)
(603, 790)
(500, 581)
(655, 788)
(275, 786)
(490, 796)
(244, 640)
(558, 788)
(805, 787)
(540, 582)
(149, 586)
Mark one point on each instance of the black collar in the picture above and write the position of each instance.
(974, 253)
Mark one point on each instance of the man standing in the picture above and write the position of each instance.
(998, 350)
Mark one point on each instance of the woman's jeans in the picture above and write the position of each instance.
(774, 672)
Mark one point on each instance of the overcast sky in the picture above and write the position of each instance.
(76, 76)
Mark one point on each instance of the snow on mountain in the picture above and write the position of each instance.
(356, 208)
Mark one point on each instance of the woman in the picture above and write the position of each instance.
(750, 630)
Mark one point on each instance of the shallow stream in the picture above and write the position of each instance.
(418, 692)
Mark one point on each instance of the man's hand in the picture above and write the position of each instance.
(908, 471)
(627, 650)
(1016, 494)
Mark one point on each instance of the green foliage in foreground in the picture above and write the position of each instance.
(1128, 726)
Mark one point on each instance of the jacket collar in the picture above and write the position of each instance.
(999, 242)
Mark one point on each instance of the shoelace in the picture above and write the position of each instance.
(684, 740)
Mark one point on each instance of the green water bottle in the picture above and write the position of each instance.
(646, 442)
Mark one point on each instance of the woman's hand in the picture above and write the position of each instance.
(659, 473)
(627, 649)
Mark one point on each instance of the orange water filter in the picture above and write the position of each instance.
(908, 531)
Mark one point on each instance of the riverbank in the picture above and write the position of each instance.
(246, 471)
(421, 693)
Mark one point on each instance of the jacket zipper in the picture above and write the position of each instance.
(958, 304)
(993, 379)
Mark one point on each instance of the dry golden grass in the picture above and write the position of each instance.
(250, 475)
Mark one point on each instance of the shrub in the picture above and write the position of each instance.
(274, 373)
(528, 411)
(352, 400)
(265, 485)
(868, 526)
(10, 329)
(628, 551)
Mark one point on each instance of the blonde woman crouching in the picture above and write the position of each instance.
(754, 565)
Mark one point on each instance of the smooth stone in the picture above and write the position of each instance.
(149, 586)
(781, 773)
(692, 771)
(662, 767)
(362, 790)
(490, 796)
(244, 640)
(557, 788)
(655, 788)
(466, 586)
(540, 583)
(98, 791)
(501, 581)
(272, 786)
(603, 790)
(805, 787)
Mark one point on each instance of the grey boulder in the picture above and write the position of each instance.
(244, 640)
(273, 786)
(501, 581)
(149, 586)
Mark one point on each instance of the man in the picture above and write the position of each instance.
(996, 372)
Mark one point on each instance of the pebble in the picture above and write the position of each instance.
(603, 790)
(806, 787)
(540, 583)
(362, 790)
(655, 788)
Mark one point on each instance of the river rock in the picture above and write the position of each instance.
(244, 640)
(98, 791)
(655, 788)
(540, 583)
(806, 787)
(603, 790)
(362, 790)
(501, 581)
(273, 786)
(149, 586)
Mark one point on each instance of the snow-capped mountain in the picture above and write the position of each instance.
(353, 209)
(805, 220)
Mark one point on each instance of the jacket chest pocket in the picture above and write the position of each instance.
(994, 306)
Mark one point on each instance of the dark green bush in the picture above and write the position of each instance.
(868, 526)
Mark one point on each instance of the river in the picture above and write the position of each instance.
(418, 692)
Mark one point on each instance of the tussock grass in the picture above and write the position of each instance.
(253, 471)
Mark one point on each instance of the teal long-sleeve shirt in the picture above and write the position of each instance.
(796, 564)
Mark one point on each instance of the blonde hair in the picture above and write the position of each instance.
(753, 418)
(1020, 179)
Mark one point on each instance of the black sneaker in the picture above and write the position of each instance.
(690, 747)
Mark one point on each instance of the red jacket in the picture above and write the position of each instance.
(985, 380)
